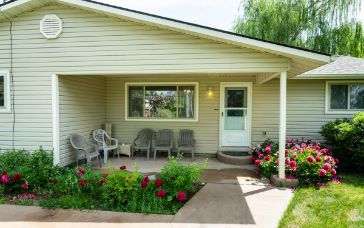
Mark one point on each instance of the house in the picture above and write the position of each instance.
(71, 65)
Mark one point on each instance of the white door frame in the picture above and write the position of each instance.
(55, 119)
(249, 85)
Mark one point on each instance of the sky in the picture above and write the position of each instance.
(219, 14)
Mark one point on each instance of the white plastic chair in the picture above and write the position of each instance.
(102, 139)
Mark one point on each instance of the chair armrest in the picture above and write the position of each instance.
(115, 140)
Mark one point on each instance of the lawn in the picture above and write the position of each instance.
(338, 205)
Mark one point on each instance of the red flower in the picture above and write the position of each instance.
(333, 172)
(54, 181)
(318, 159)
(327, 166)
(81, 171)
(267, 149)
(337, 161)
(146, 179)
(5, 178)
(123, 167)
(181, 196)
(277, 161)
(253, 158)
(102, 181)
(286, 151)
(82, 182)
(160, 193)
(293, 165)
(17, 177)
(105, 175)
(309, 159)
(322, 172)
(267, 158)
(294, 156)
(287, 160)
(324, 150)
(143, 184)
(257, 162)
(25, 185)
(158, 182)
(317, 147)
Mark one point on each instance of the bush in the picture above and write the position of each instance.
(346, 137)
(308, 163)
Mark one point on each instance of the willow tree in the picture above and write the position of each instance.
(322, 25)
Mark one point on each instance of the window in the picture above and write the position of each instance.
(345, 96)
(165, 101)
(4, 92)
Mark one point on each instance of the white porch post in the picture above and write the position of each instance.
(282, 123)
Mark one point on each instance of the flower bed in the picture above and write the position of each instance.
(81, 188)
(305, 161)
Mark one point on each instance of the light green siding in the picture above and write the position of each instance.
(82, 108)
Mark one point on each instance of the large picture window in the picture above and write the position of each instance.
(4, 92)
(161, 101)
(345, 96)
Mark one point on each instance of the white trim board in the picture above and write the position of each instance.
(55, 119)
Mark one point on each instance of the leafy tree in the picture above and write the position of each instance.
(322, 25)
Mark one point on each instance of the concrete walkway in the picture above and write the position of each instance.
(230, 198)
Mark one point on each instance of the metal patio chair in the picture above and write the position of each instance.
(186, 142)
(143, 141)
(163, 141)
(105, 142)
(80, 147)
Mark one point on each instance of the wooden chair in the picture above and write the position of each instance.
(143, 141)
(163, 141)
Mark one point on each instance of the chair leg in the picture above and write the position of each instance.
(148, 151)
(88, 160)
(155, 153)
(169, 153)
(193, 154)
(98, 158)
(106, 153)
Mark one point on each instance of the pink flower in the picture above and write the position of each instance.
(17, 177)
(143, 184)
(123, 167)
(267, 158)
(286, 151)
(317, 147)
(257, 162)
(277, 161)
(310, 145)
(333, 172)
(181, 196)
(25, 185)
(322, 172)
(26, 196)
(337, 161)
(287, 160)
(309, 159)
(5, 178)
(260, 156)
(158, 182)
(328, 158)
(336, 180)
(303, 145)
(326, 166)
(293, 165)
(267, 149)
(318, 159)
(82, 182)
(324, 150)
(294, 156)
(160, 193)
(81, 171)
(294, 148)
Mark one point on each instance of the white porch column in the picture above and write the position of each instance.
(282, 123)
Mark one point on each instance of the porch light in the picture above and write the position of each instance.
(209, 91)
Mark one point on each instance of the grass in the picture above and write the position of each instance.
(338, 205)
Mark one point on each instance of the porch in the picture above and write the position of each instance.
(87, 102)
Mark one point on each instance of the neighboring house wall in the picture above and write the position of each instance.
(94, 43)
(82, 107)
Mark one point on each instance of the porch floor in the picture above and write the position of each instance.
(155, 166)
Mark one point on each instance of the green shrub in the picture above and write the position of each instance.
(182, 178)
(346, 137)
(119, 187)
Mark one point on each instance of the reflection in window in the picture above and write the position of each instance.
(2, 92)
(161, 102)
(347, 96)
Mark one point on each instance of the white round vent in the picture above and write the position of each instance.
(51, 26)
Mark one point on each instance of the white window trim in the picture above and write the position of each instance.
(7, 94)
(328, 96)
(195, 84)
